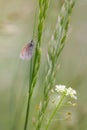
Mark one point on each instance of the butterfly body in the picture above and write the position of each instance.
(27, 51)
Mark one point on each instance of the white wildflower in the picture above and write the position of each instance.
(67, 91)
(71, 92)
(60, 88)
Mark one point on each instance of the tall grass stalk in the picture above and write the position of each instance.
(35, 63)
(56, 46)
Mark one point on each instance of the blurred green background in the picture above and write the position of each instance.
(16, 27)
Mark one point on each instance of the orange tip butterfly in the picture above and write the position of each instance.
(27, 51)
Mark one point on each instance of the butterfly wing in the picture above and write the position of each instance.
(26, 52)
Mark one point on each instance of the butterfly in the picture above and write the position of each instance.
(27, 51)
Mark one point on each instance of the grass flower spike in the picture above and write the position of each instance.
(56, 45)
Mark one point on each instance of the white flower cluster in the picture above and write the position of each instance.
(68, 91)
